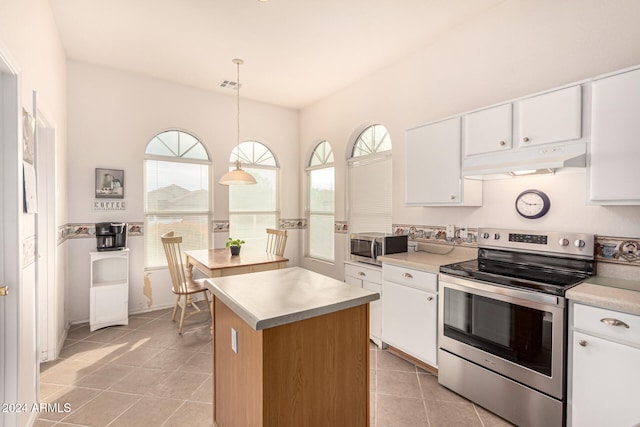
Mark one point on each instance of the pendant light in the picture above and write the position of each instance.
(237, 176)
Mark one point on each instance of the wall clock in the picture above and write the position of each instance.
(532, 204)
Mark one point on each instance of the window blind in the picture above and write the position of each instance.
(370, 195)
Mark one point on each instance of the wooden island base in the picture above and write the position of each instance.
(313, 372)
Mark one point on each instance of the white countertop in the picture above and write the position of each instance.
(432, 260)
(607, 292)
(277, 297)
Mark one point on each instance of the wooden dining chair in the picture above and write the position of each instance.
(276, 241)
(183, 287)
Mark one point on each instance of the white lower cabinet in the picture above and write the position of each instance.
(410, 311)
(605, 372)
(370, 278)
(109, 291)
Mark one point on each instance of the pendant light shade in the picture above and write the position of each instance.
(237, 176)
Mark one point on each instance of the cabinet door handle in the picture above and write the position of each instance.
(503, 143)
(407, 275)
(360, 273)
(429, 298)
(525, 139)
(452, 197)
(614, 322)
(583, 343)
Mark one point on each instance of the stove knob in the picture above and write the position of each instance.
(579, 243)
(563, 242)
(485, 235)
(496, 236)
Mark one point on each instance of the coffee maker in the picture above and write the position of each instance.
(111, 236)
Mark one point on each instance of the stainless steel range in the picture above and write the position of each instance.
(502, 327)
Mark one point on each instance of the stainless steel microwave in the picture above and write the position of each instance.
(367, 247)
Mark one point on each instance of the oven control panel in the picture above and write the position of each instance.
(553, 242)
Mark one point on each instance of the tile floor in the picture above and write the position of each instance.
(145, 374)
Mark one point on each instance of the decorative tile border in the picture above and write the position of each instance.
(82, 231)
(300, 223)
(618, 250)
(615, 250)
(435, 234)
(220, 226)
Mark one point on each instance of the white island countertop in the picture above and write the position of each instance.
(272, 298)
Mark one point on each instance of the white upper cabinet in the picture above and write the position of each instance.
(433, 170)
(551, 117)
(615, 140)
(489, 130)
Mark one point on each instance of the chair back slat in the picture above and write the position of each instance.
(276, 241)
(175, 262)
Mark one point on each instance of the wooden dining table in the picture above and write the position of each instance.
(220, 262)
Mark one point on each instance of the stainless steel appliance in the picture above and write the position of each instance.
(502, 330)
(367, 247)
(111, 236)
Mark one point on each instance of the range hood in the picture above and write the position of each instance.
(506, 162)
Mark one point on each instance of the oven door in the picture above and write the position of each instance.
(515, 333)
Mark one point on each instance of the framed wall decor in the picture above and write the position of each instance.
(109, 183)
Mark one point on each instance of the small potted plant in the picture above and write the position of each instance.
(234, 245)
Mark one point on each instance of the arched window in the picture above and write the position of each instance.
(254, 208)
(370, 189)
(177, 197)
(321, 203)
(374, 139)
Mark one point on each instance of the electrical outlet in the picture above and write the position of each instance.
(234, 340)
(451, 231)
(464, 233)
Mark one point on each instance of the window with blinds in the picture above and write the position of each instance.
(177, 196)
(254, 208)
(370, 191)
(321, 206)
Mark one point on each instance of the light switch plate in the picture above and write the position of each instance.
(234, 340)
(451, 231)
(464, 233)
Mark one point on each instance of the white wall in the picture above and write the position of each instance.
(112, 117)
(29, 35)
(514, 49)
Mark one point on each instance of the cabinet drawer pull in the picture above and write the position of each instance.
(429, 298)
(614, 322)
(360, 273)
(407, 275)
(583, 343)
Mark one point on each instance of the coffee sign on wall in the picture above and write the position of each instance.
(109, 205)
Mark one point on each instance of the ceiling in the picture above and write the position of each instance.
(296, 52)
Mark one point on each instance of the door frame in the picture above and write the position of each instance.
(11, 200)
(47, 292)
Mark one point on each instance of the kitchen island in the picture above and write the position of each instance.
(290, 348)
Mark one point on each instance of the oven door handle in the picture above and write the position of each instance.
(490, 290)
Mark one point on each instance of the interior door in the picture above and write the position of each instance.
(10, 247)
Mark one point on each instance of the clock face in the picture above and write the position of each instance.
(532, 204)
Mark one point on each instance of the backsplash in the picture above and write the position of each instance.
(614, 250)
(618, 250)
(436, 234)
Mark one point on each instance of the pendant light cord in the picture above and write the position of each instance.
(238, 62)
